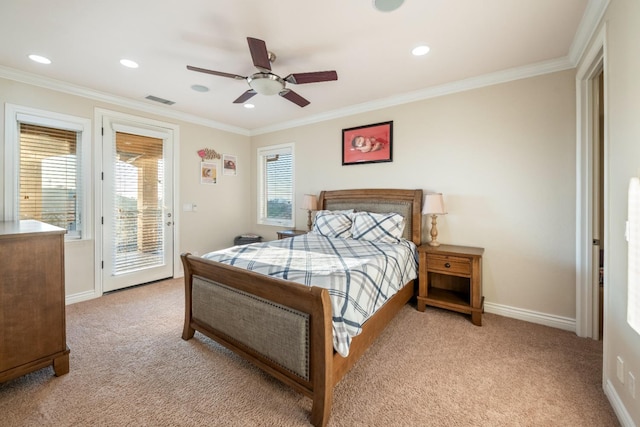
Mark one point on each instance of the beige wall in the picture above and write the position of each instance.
(222, 209)
(504, 158)
(622, 71)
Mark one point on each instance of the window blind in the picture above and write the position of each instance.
(276, 189)
(138, 200)
(49, 179)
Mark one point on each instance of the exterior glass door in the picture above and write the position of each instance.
(137, 200)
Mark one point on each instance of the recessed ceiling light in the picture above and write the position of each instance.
(387, 5)
(249, 106)
(421, 50)
(200, 88)
(40, 59)
(129, 63)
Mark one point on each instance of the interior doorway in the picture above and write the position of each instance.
(591, 193)
(598, 206)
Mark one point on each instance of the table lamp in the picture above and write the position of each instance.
(434, 206)
(310, 203)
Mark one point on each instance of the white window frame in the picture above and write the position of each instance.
(16, 114)
(262, 152)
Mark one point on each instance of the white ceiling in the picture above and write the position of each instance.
(369, 49)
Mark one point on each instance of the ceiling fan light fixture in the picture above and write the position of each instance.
(387, 5)
(266, 83)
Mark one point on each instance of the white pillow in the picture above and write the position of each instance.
(375, 227)
(333, 224)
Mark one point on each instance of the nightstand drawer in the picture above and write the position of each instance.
(446, 264)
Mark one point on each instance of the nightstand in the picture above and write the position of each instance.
(283, 234)
(450, 277)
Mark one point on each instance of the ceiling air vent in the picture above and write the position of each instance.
(160, 100)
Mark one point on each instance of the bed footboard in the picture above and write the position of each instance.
(282, 327)
(275, 331)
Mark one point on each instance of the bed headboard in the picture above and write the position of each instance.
(407, 203)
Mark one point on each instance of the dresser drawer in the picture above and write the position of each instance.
(447, 264)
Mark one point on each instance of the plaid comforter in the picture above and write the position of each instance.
(360, 275)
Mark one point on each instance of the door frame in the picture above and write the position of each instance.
(594, 62)
(99, 115)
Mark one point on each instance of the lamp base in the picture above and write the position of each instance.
(434, 231)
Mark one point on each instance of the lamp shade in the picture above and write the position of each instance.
(309, 202)
(433, 204)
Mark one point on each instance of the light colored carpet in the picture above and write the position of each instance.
(129, 367)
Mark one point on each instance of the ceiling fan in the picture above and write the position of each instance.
(265, 82)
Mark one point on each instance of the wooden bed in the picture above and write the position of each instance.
(215, 291)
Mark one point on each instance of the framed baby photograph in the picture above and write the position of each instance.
(209, 172)
(367, 144)
(229, 164)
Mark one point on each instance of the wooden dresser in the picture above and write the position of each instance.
(32, 299)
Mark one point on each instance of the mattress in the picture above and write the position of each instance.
(360, 275)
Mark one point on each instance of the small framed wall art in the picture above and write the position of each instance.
(367, 144)
(209, 172)
(229, 164)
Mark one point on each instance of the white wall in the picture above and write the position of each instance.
(222, 209)
(622, 71)
(504, 157)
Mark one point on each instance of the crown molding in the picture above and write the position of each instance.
(588, 25)
(57, 85)
(490, 79)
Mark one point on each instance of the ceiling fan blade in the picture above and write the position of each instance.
(242, 98)
(215, 73)
(259, 53)
(318, 76)
(294, 97)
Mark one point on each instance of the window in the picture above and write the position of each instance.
(45, 158)
(275, 185)
(633, 300)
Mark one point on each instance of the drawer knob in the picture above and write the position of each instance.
(447, 265)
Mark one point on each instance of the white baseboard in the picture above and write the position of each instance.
(88, 295)
(82, 296)
(554, 321)
(618, 407)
